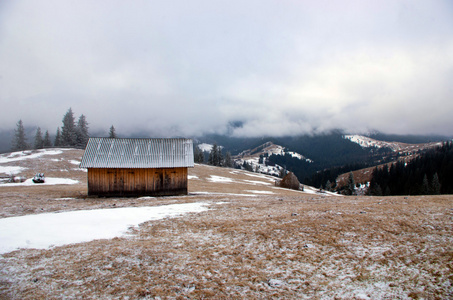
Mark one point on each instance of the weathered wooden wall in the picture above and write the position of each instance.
(137, 182)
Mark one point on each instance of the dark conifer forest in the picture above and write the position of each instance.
(430, 173)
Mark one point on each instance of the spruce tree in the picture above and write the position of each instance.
(247, 166)
(47, 142)
(198, 155)
(350, 189)
(328, 186)
(425, 185)
(82, 135)
(219, 158)
(68, 130)
(214, 156)
(436, 186)
(282, 173)
(39, 142)
(228, 162)
(20, 140)
(57, 142)
(112, 133)
(378, 190)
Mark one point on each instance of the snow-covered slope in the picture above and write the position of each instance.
(206, 147)
(258, 157)
(56, 163)
(367, 142)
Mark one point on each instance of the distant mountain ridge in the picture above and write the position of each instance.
(258, 157)
(308, 154)
(367, 142)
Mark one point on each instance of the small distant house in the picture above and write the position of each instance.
(137, 167)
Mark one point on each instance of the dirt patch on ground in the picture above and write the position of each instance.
(255, 241)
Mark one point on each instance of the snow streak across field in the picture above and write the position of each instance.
(56, 229)
(23, 155)
(49, 181)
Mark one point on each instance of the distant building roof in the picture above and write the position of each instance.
(138, 153)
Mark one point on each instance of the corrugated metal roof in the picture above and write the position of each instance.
(138, 153)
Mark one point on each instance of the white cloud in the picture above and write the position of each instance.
(183, 68)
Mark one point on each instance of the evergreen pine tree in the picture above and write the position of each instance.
(112, 133)
(377, 190)
(39, 142)
(247, 166)
(47, 142)
(282, 173)
(228, 162)
(219, 158)
(350, 189)
(20, 140)
(57, 142)
(198, 155)
(425, 185)
(436, 186)
(82, 135)
(328, 186)
(68, 130)
(214, 156)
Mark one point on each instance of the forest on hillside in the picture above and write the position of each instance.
(72, 133)
(430, 173)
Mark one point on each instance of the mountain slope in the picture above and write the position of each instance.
(252, 240)
(401, 148)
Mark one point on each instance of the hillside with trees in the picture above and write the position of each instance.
(72, 134)
(430, 173)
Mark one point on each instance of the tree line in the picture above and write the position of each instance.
(214, 158)
(72, 133)
(430, 173)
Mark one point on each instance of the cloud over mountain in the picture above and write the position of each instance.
(184, 68)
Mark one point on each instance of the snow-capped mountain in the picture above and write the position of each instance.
(205, 147)
(258, 158)
(366, 142)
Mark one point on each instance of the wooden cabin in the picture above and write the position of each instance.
(137, 167)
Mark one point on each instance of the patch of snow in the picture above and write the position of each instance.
(225, 194)
(207, 147)
(215, 178)
(366, 142)
(23, 155)
(49, 181)
(11, 169)
(74, 162)
(258, 158)
(260, 192)
(192, 177)
(255, 182)
(63, 199)
(56, 229)
(146, 197)
(257, 175)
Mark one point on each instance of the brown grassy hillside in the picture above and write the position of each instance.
(255, 241)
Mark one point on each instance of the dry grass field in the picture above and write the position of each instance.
(256, 241)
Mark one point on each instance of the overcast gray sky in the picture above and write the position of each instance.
(191, 67)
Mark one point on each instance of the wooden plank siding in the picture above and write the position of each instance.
(128, 182)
